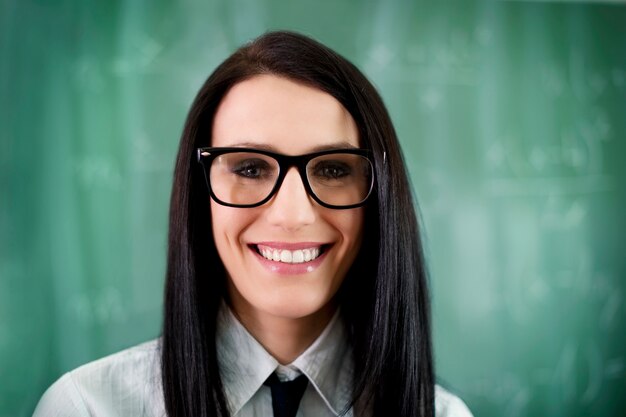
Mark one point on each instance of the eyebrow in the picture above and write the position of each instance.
(271, 148)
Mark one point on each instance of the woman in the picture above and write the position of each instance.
(295, 279)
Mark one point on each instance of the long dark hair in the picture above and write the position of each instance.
(384, 298)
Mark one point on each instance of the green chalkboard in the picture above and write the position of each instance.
(511, 117)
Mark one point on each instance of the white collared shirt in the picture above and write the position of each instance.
(245, 365)
(128, 383)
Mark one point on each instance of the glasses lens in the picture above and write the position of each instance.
(340, 179)
(243, 177)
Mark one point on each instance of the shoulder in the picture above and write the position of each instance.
(123, 384)
(449, 405)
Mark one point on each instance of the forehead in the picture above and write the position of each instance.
(277, 113)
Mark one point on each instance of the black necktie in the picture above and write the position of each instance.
(286, 395)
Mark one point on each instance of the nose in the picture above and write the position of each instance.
(291, 208)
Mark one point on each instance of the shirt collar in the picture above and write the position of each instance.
(245, 365)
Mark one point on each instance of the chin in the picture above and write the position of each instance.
(295, 307)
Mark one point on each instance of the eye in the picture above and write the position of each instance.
(331, 170)
(251, 168)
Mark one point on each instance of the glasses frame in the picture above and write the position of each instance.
(206, 155)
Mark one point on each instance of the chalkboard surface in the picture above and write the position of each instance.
(512, 120)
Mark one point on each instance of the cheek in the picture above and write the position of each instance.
(351, 223)
(217, 222)
(228, 224)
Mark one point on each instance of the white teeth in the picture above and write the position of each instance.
(297, 257)
(285, 256)
(290, 257)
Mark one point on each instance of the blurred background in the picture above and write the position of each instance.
(512, 120)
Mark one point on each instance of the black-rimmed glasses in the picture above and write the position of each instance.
(242, 177)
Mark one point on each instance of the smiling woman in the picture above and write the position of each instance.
(286, 305)
(296, 281)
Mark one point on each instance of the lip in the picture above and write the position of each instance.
(290, 246)
(290, 269)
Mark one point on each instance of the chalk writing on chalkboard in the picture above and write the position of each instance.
(581, 371)
(104, 307)
(611, 308)
(142, 51)
(97, 171)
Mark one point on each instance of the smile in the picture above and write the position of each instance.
(296, 256)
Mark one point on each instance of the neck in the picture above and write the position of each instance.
(285, 338)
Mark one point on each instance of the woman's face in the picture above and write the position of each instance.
(274, 113)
